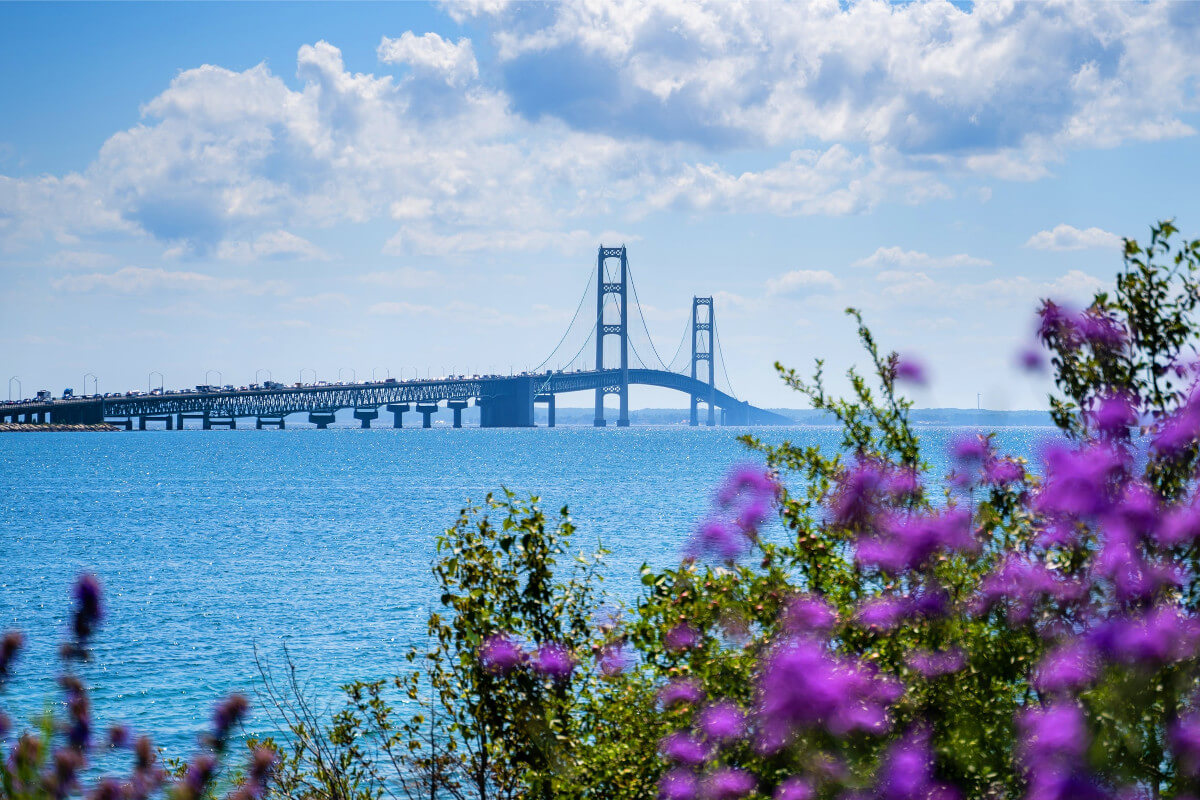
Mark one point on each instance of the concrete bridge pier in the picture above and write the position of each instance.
(428, 410)
(126, 423)
(220, 422)
(180, 417)
(365, 415)
(507, 403)
(548, 399)
(321, 419)
(269, 422)
(397, 410)
(167, 418)
(457, 407)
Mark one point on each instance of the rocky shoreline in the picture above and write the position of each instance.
(17, 427)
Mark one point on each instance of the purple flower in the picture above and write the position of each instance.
(614, 659)
(746, 479)
(1056, 323)
(228, 713)
(1155, 637)
(10, 645)
(119, 736)
(720, 539)
(553, 661)
(681, 637)
(500, 654)
(680, 690)
(1179, 430)
(1078, 481)
(795, 789)
(727, 783)
(1113, 415)
(1030, 359)
(808, 614)
(857, 495)
(907, 772)
(907, 541)
(909, 369)
(803, 686)
(722, 722)
(882, 613)
(1180, 525)
(678, 784)
(684, 748)
(1100, 330)
(932, 664)
(1067, 668)
(970, 450)
(1003, 471)
(88, 611)
(902, 484)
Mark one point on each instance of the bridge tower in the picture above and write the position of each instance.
(604, 329)
(702, 350)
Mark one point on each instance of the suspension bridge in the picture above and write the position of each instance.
(504, 401)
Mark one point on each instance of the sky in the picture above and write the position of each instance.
(357, 190)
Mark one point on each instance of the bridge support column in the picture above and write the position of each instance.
(126, 423)
(428, 410)
(220, 422)
(269, 422)
(365, 415)
(507, 403)
(206, 424)
(141, 423)
(321, 419)
(397, 410)
(457, 407)
(548, 399)
(180, 417)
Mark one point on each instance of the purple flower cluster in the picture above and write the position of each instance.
(500, 655)
(59, 766)
(805, 686)
(743, 504)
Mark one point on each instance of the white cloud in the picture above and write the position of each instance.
(913, 259)
(1066, 237)
(453, 62)
(141, 280)
(404, 278)
(803, 282)
(873, 103)
(277, 245)
(412, 239)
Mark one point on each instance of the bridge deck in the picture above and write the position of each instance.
(279, 402)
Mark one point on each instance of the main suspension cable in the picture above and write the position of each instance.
(578, 308)
(637, 302)
(721, 350)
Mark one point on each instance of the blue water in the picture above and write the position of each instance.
(210, 544)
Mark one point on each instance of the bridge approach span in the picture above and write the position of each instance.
(504, 401)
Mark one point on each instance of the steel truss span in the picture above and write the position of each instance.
(277, 403)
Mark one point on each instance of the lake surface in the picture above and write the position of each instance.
(210, 543)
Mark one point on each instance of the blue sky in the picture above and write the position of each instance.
(422, 188)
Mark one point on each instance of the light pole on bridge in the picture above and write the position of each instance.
(19, 390)
(151, 374)
(220, 377)
(270, 377)
(386, 372)
(307, 369)
(95, 383)
(353, 374)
